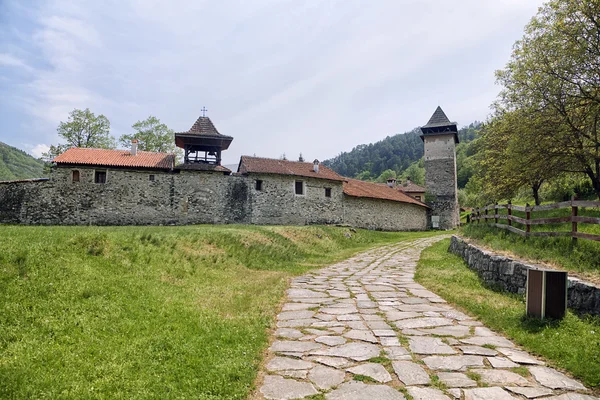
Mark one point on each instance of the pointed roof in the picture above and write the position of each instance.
(203, 127)
(438, 118)
(439, 124)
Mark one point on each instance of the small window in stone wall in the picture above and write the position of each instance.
(100, 177)
(327, 192)
(75, 177)
(151, 178)
(258, 184)
(299, 187)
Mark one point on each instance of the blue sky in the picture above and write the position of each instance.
(317, 77)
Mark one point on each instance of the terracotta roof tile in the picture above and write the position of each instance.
(356, 188)
(284, 167)
(116, 158)
(411, 187)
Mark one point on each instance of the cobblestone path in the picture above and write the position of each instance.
(363, 329)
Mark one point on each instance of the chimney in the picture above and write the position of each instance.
(134, 143)
(391, 182)
(407, 181)
(316, 166)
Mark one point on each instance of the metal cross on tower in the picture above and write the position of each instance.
(204, 110)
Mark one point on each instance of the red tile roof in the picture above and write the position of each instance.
(116, 158)
(356, 188)
(411, 187)
(284, 167)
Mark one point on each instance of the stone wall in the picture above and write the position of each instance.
(440, 179)
(277, 202)
(130, 197)
(511, 276)
(384, 214)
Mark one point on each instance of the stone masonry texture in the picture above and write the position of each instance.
(130, 197)
(511, 276)
(440, 179)
(362, 329)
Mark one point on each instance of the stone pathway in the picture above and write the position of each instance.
(363, 329)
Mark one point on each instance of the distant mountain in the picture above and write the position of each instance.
(394, 152)
(16, 164)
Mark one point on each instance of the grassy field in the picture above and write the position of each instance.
(572, 344)
(582, 258)
(150, 312)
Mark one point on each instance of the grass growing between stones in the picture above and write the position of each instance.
(572, 344)
(150, 312)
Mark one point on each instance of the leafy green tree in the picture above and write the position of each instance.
(152, 135)
(512, 155)
(385, 175)
(82, 129)
(554, 77)
(416, 173)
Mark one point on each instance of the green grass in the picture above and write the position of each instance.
(583, 257)
(364, 378)
(150, 312)
(572, 344)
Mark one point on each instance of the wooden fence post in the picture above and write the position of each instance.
(528, 217)
(509, 209)
(496, 212)
(574, 211)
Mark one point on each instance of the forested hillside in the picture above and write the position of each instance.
(396, 153)
(16, 164)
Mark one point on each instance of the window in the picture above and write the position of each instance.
(75, 176)
(327, 192)
(151, 178)
(258, 184)
(100, 177)
(299, 187)
(418, 198)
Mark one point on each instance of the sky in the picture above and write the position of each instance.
(315, 77)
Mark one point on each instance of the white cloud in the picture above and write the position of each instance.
(279, 76)
(12, 61)
(37, 150)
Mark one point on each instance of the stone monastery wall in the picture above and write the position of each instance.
(131, 197)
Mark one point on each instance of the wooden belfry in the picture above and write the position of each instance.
(202, 143)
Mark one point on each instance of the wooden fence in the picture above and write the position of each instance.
(483, 215)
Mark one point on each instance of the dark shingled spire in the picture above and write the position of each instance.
(439, 124)
(438, 119)
(204, 127)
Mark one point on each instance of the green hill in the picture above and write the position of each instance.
(396, 152)
(16, 164)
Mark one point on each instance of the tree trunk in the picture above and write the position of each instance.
(536, 192)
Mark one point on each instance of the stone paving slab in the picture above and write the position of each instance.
(365, 318)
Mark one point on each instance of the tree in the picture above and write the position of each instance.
(512, 155)
(385, 175)
(554, 76)
(82, 129)
(152, 135)
(416, 173)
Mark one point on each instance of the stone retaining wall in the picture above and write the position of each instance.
(511, 276)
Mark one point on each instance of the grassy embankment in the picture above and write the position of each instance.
(150, 312)
(572, 344)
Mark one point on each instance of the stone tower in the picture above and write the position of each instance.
(440, 137)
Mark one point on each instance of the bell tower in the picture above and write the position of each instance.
(440, 137)
(202, 143)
